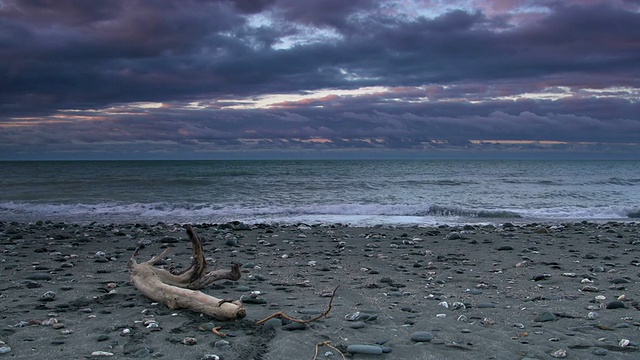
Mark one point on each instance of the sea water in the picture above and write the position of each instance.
(354, 192)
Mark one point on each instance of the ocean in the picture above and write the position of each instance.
(353, 192)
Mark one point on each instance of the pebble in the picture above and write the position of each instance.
(364, 349)
(189, 341)
(600, 352)
(589, 288)
(144, 352)
(48, 296)
(357, 316)
(210, 357)
(272, 324)
(559, 354)
(221, 344)
(422, 336)
(357, 325)
(541, 277)
(253, 300)
(616, 304)
(39, 276)
(544, 317)
(101, 353)
(292, 326)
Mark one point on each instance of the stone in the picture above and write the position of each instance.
(422, 336)
(39, 276)
(544, 317)
(292, 326)
(357, 325)
(364, 349)
(616, 304)
(48, 296)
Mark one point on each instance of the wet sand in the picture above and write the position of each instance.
(484, 292)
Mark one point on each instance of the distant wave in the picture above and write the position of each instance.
(440, 182)
(460, 211)
(620, 181)
(534, 181)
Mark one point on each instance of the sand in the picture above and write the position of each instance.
(524, 291)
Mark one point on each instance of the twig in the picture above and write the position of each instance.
(216, 330)
(326, 343)
(282, 314)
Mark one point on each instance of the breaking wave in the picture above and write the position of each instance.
(356, 214)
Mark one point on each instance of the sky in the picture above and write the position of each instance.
(215, 79)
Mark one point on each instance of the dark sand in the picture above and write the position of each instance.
(513, 292)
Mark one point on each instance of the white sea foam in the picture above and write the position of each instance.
(356, 214)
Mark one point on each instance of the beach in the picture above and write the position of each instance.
(505, 291)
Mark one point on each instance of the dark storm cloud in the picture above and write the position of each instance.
(457, 74)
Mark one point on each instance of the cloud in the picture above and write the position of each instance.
(76, 74)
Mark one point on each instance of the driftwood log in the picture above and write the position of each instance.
(181, 290)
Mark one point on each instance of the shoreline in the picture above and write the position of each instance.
(511, 291)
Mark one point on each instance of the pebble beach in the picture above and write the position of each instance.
(507, 291)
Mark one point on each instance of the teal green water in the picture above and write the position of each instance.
(358, 192)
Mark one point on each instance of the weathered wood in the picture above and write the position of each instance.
(180, 290)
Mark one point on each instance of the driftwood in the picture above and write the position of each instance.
(301, 321)
(180, 290)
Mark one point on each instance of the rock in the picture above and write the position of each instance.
(168, 240)
(541, 277)
(364, 349)
(48, 296)
(189, 341)
(589, 288)
(253, 300)
(357, 325)
(505, 248)
(31, 284)
(272, 324)
(141, 353)
(221, 344)
(292, 326)
(422, 336)
(559, 354)
(101, 353)
(616, 304)
(210, 357)
(39, 276)
(620, 281)
(544, 317)
(354, 316)
(600, 352)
